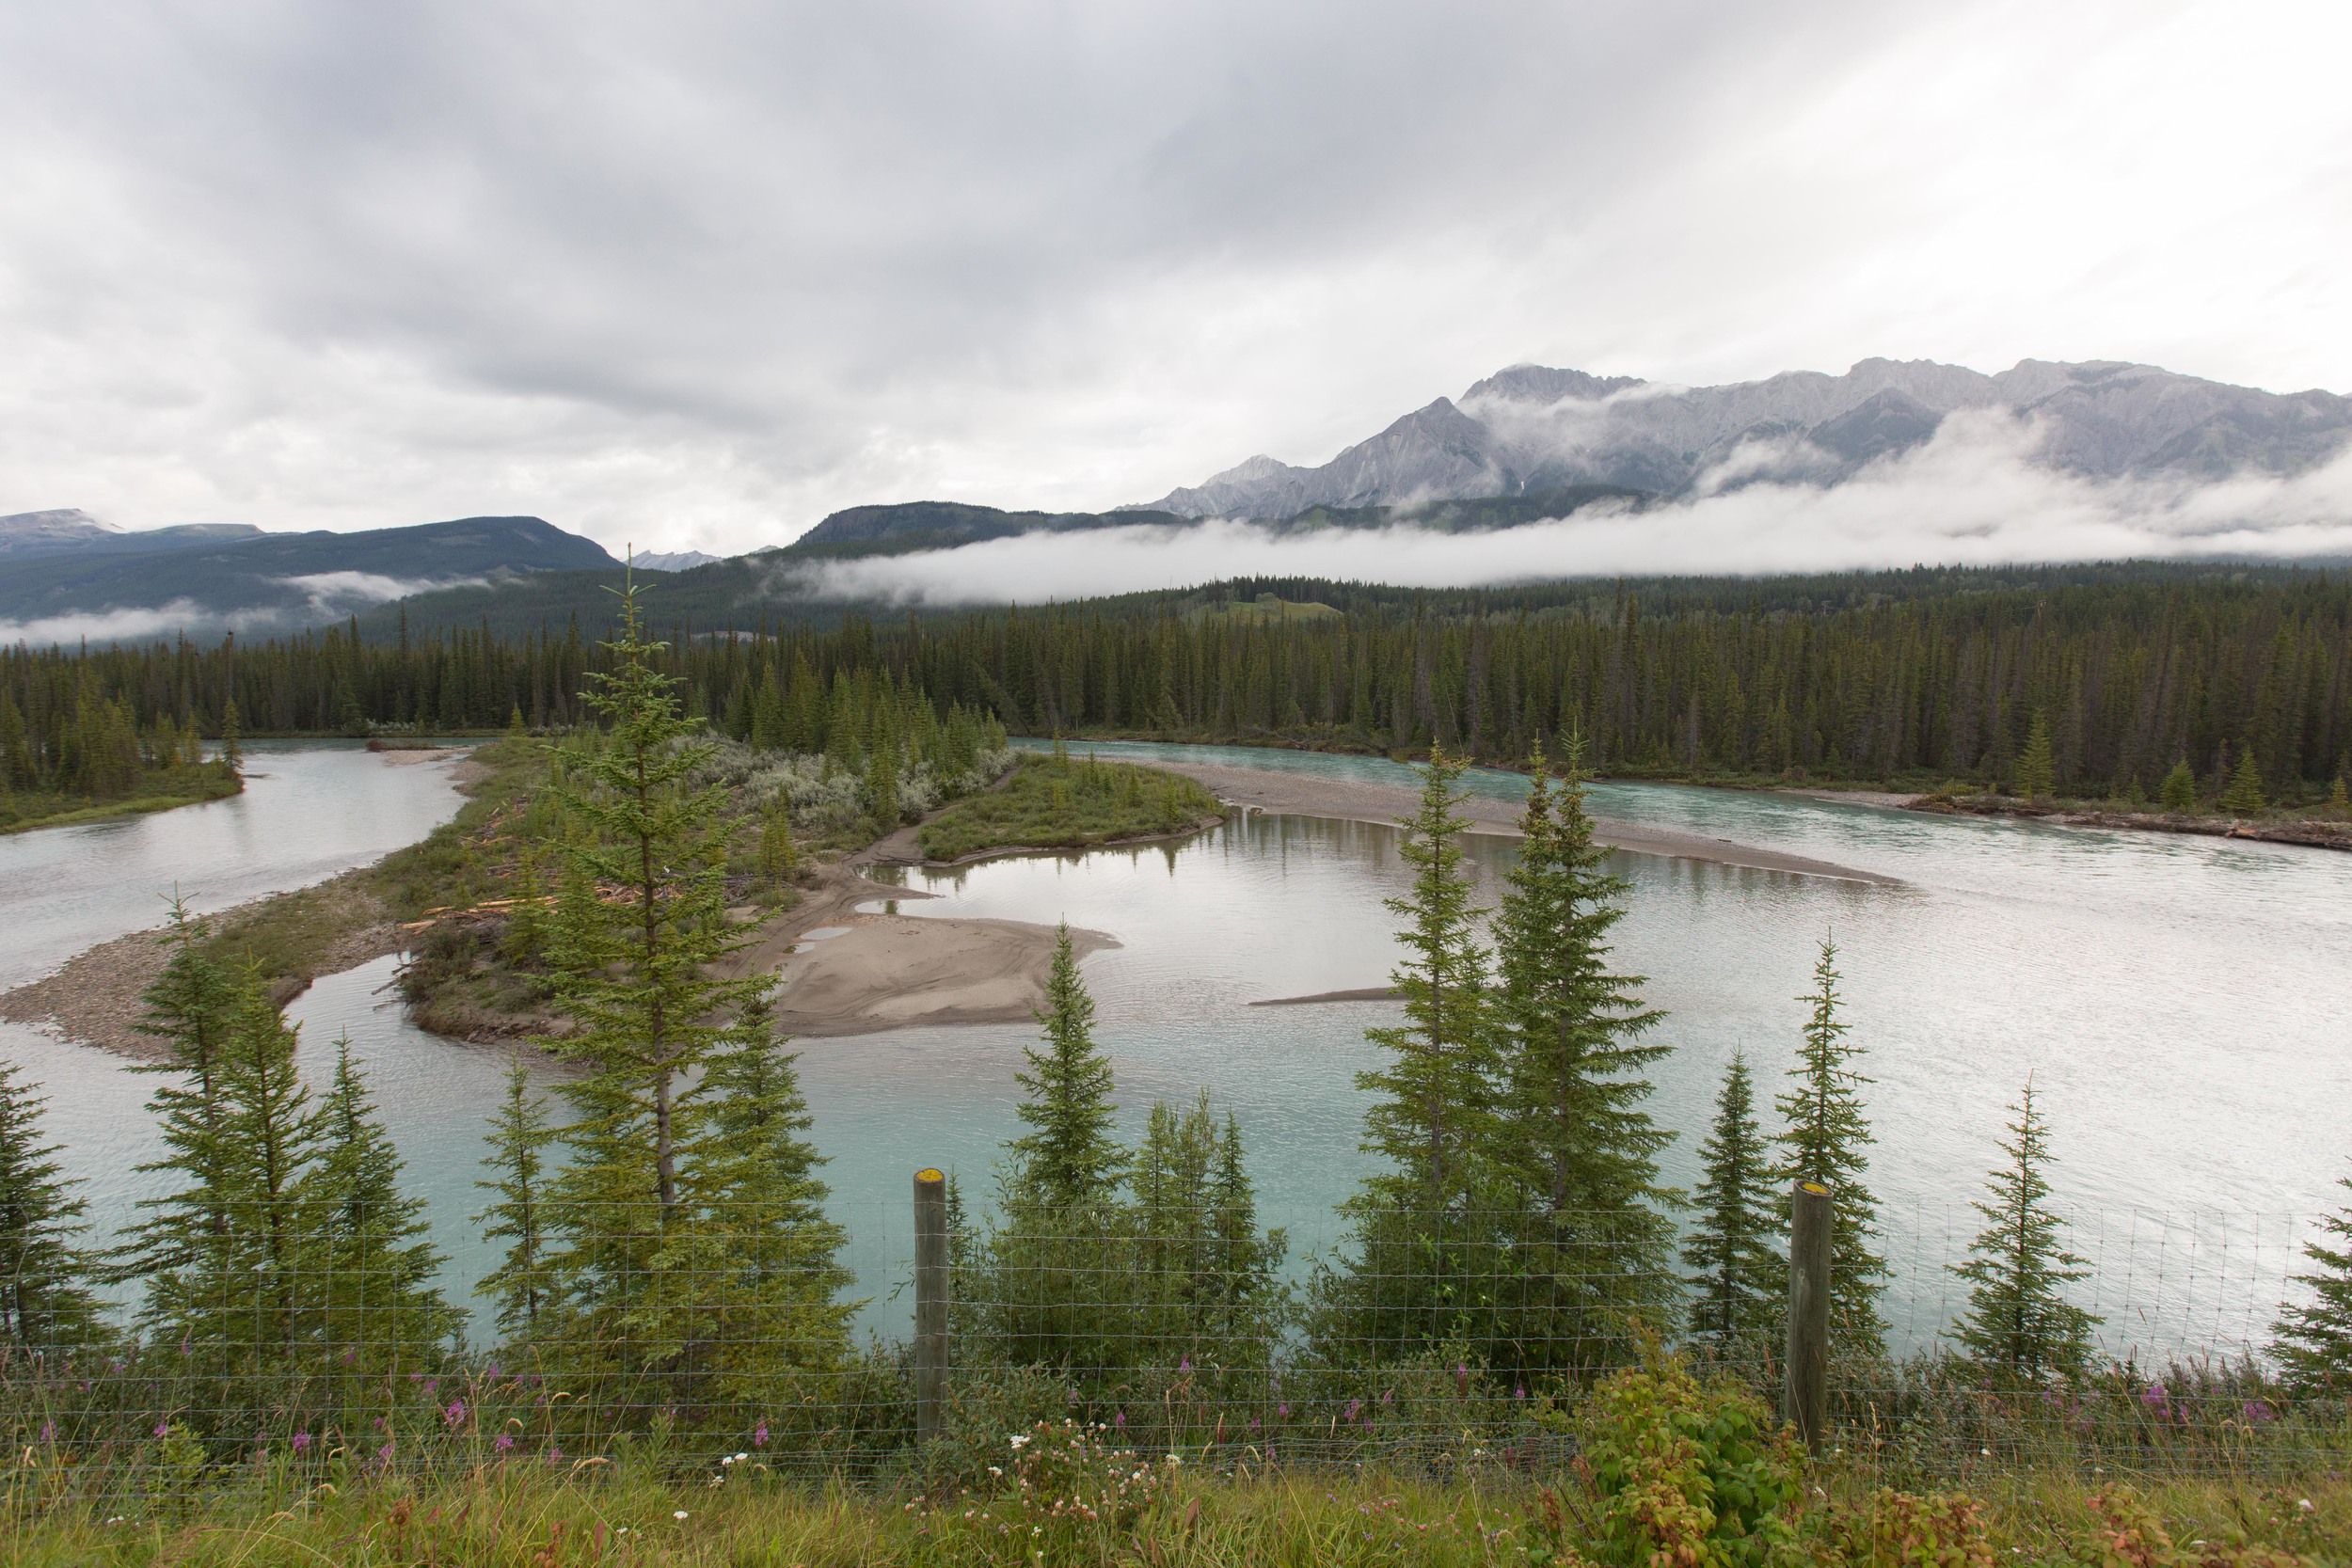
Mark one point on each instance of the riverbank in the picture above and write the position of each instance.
(2311, 832)
(291, 938)
(1307, 795)
(195, 787)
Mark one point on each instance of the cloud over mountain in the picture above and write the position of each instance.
(1529, 429)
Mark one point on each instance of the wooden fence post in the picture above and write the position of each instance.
(930, 1302)
(1805, 1375)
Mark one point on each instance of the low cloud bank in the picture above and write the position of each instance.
(324, 596)
(330, 594)
(1973, 497)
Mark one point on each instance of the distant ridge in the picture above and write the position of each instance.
(70, 530)
(243, 578)
(1531, 429)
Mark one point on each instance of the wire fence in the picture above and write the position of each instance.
(1434, 1340)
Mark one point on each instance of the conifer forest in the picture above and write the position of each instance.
(1923, 675)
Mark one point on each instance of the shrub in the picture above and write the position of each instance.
(1679, 1472)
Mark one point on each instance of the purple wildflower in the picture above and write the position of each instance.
(759, 1435)
(1283, 1411)
(1519, 1392)
(1120, 1420)
(48, 1431)
(506, 1442)
(1353, 1407)
(301, 1442)
(1186, 1365)
(2260, 1411)
(162, 1429)
(455, 1414)
(384, 1454)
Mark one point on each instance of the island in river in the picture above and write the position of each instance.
(847, 962)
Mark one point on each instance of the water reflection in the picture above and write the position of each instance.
(2183, 1005)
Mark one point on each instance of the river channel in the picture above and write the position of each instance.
(2181, 1003)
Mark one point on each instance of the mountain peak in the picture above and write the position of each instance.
(1534, 429)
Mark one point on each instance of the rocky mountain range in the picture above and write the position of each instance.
(1531, 430)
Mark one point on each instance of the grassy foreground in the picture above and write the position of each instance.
(1063, 803)
(529, 1516)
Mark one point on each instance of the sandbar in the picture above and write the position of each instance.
(1306, 794)
(887, 971)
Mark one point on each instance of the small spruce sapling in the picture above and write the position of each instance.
(2244, 794)
(381, 1306)
(2019, 1323)
(2036, 765)
(1068, 1159)
(45, 1276)
(1731, 1250)
(1822, 1138)
(521, 1285)
(2178, 793)
(2313, 1343)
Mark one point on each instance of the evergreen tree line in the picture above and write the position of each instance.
(92, 745)
(2133, 674)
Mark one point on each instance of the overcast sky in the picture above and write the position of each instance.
(696, 275)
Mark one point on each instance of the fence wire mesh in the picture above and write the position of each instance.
(1436, 1341)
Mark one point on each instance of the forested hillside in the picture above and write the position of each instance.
(1898, 675)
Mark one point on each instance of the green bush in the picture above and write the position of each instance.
(1677, 1472)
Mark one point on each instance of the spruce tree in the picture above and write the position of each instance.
(2244, 794)
(2019, 1324)
(1822, 1138)
(1577, 1153)
(1434, 1260)
(1060, 1291)
(634, 976)
(1069, 1161)
(1242, 1258)
(189, 1007)
(2178, 793)
(45, 1275)
(381, 1308)
(767, 1257)
(2313, 1340)
(1732, 1250)
(1203, 1271)
(520, 1287)
(242, 1293)
(2036, 765)
(1436, 1095)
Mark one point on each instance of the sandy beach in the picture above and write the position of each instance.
(1302, 795)
(868, 971)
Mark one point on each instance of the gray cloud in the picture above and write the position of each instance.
(694, 277)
